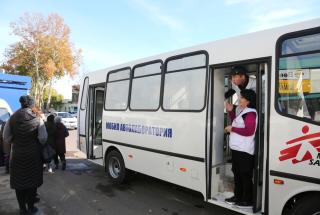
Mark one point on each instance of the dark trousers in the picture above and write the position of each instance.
(7, 162)
(61, 156)
(242, 167)
(26, 198)
(1, 156)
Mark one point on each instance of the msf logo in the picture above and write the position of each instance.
(306, 147)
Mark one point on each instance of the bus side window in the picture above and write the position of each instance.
(117, 89)
(298, 92)
(146, 85)
(185, 83)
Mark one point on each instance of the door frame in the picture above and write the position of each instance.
(91, 119)
(268, 61)
(83, 113)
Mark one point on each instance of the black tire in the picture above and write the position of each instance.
(115, 167)
(307, 205)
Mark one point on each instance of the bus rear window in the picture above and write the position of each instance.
(299, 78)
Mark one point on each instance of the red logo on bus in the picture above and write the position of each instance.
(302, 148)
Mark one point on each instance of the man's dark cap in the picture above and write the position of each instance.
(238, 70)
(26, 101)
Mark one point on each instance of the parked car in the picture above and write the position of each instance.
(74, 114)
(67, 119)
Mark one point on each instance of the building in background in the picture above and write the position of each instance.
(68, 105)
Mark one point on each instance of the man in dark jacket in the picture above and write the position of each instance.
(26, 132)
(60, 143)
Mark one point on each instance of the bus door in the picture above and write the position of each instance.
(95, 122)
(260, 139)
(221, 182)
(83, 117)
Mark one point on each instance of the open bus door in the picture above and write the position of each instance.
(83, 117)
(96, 98)
(259, 163)
(219, 173)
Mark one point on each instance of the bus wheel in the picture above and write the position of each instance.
(115, 167)
(307, 205)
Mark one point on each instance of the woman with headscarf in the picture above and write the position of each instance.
(242, 135)
(26, 132)
(60, 143)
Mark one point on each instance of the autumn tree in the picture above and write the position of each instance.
(56, 98)
(44, 52)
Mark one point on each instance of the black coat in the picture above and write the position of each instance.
(60, 138)
(25, 164)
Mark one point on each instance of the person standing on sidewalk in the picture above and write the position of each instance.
(51, 129)
(26, 132)
(60, 143)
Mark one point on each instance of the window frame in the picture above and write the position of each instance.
(175, 57)
(84, 81)
(143, 76)
(106, 85)
(279, 42)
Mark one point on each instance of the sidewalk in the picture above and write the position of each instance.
(59, 191)
(8, 201)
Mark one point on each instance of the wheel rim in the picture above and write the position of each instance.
(114, 167)
(316, 213)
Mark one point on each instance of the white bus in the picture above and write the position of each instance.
(164, 116)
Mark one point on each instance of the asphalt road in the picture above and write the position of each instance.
(84, 189)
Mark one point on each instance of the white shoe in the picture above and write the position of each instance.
(50, 170)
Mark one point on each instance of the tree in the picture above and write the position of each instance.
(56, 99)
(44, 52)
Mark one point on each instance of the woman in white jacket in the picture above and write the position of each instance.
(242, 135)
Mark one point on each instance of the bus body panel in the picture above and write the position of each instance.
(183, 172)
(176, 132)
(283, 193)
(174, 135)
(289, 147)
(286, 156)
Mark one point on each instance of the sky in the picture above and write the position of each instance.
(114, 32)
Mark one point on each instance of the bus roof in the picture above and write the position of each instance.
(248, 46)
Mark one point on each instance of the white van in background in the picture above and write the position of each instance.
(68, 120)
(5, 110)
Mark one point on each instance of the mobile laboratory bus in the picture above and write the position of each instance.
(164, 116)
